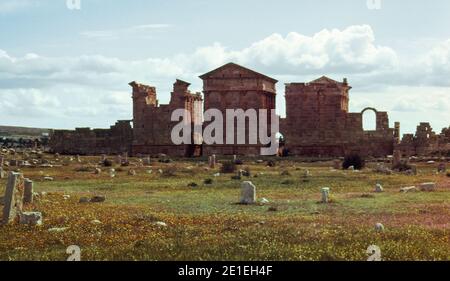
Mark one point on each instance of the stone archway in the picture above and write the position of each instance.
(369, 123)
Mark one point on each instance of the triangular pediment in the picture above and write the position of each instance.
(324, 80)
(233, 70)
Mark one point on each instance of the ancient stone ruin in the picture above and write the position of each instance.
(317, 123)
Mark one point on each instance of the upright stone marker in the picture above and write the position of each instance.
(13, 198)
(325, 195)
(28, 192)
(212, 161)
(248, 193)
(397, 158)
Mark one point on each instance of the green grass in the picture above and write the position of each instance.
(205, 223)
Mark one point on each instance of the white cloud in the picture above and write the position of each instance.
(9, 6)
(94, 91)
(120, 32)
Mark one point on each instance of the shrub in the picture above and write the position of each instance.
(354, 160)
(238, 162)
(271, 163)
(448, 174)
(208, 181)
(228, 167)
(107, 163)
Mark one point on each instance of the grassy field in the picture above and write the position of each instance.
(205, 223)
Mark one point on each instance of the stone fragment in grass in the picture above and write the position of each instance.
(248, 193)
(264, 201)
(428, 186)
(30, 218)
(379, 227)
(160, 223)
(378, 188)
(83, 200)
(48, 179)
(98, 199)
(131, 172)
(58, 229)
(97, 171)
(408, 189)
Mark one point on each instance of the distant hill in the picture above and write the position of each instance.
(22, 132)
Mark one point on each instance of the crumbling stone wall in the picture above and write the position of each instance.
(152, 122)
(85, 141)
(318, 123)
(425, 142)
(235, 87)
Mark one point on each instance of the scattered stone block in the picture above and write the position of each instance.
(408, 189)
(160, 223)
(428, 186)
(98, 199)
(131, 172)
(58, 229)
(31, 218)
(248, 193)
(379, 188)
(379, 227)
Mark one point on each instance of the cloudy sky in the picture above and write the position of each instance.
(66, 68)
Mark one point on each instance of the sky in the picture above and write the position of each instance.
(64, 67)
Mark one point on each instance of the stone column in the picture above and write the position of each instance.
(28, 192)
(212, 161)
(397, 158)
(325, 195)
(13, 198)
